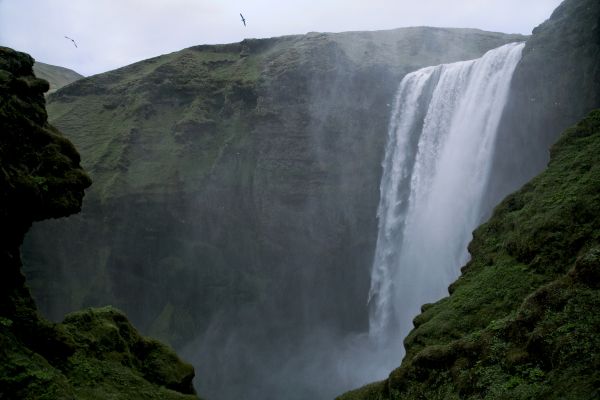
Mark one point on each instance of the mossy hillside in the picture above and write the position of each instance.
(95, 354)
(25, 374)
(105, 357)
(111, 357)
(520, 323)
(56, 76)
(162, 117)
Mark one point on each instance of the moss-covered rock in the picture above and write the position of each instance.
(234, 183)
(112, 359)
(521, 321)
(95, 354)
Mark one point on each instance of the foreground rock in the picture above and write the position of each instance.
(95, 353)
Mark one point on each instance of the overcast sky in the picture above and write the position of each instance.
(114, 33)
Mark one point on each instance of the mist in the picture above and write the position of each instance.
(309, 336)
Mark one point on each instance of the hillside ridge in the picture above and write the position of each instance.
(56, 76)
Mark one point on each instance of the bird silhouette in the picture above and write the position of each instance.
(243, 19)
(75, 44)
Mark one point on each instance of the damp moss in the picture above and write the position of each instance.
(112, 359)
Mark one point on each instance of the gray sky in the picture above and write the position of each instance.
(114, 33)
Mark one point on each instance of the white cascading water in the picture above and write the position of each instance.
(436, 166)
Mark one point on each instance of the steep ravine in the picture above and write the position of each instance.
(235, 194)
(92, 354)
(521, 322)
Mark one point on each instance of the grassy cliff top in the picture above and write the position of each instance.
(164, 124)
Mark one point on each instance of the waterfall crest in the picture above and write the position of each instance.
(439, 151)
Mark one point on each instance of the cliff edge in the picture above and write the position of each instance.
(93, 354)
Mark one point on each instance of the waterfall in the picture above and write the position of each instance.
(437, 160)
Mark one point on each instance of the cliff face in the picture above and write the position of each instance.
(233, 184)
(521, 321)
(92, 354)
(221, 170)
(556, 83)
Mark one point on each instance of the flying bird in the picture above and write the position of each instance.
(75, 44)
(243, 19)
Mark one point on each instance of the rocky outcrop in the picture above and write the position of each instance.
(92, 354)
(520, 323)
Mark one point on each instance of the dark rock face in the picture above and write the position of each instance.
(556, 83)
(94, 354)
(41, 170)
(40, 177)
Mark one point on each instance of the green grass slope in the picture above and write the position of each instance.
(56, 76)
(170, 116)
(522, 321)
